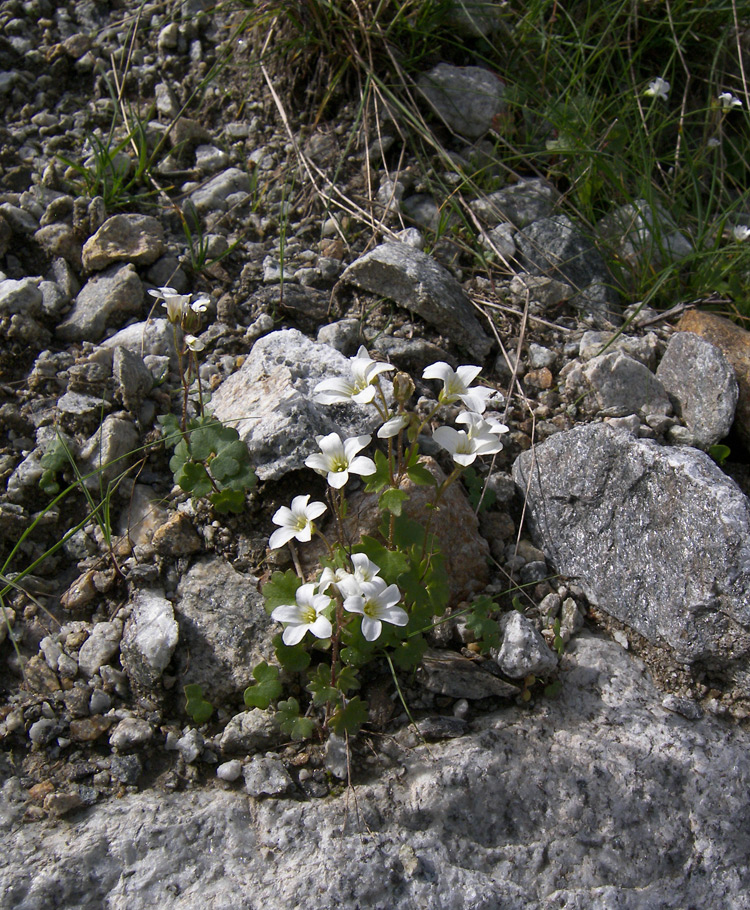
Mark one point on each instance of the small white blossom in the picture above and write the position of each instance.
(349, 583)
(338, 458)
(194, 344)
(377, 604)
(296, 522)
(200, 304)
(393, 426)
(741, 232)
(481, 438)
(729, 101)
(306, 614)
(658, 88)
(359, 388)
(713, 142)
(456, 384)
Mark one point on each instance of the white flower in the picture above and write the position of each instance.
(480, 439)
(456, 385)
(377, 604)
(195, 344)
(296, 522)
(200, 304)
(658, 88)
(360, 388)
(305, 614)
(393, 426)
(175, 303)
(741, 232)
(713, 142)
(339, 457)
(349, 583)
(729, 101)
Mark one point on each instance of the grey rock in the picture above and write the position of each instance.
(466, 98)
(152, 338)
(440, 727)
(644, 236)
(555, 247)
(540, 356)
(20, 221)
(229, 770)
(60, 240)
(648, 809)
(622, 386)
(100, 647)
(106, 299)
(25, 479)
(190, 745)
(100, 702)
(250, 731)
(131, 238)
(43, 731)
(213, 196)
(523, 651)
(21, 296)
(520, 204)
(448, 673)
(422, 210)
(686, 707)
(110, 451)
(209, 159)
(500, 242)
(419, 284)
(130, 733)
(266, 776)
(126, 768)
(224, 629)
(702, 383)
(269, 401)
(133, 379)
(656, 536)
(541, 292)
(343, 335)
(645, 349)
(149, 640)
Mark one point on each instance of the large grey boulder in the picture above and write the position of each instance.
(421, 285)
(270, 402)
(658, 537)
(600, 798)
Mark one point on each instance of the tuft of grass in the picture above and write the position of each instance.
(578, 112)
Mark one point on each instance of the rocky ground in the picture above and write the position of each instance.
(602, 511)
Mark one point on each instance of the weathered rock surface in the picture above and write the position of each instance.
(734, 342)
(423, 286)
(628, 819)
(658, 537)
(149, 640)
(269, 401)
(467, 98)
(701, 381)
(624, 386)
(224, 629)
(133, 238)
(106, 299)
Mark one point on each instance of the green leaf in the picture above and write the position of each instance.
(347, 679)
(281, 589)
(408, 533)
(474, 486)
(392, 500)
(228, 501)
(287, 717)
(320, 687)
(419, 475)
(410, 652)
(718, 452)
(485, 628)
(391, 562)
(382, 476)
(196, 705)
(350, 718)
(223, 467)
(293, 658)
(552, 690)
(267, 688)
(192, 478)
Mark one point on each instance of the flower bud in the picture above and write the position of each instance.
(403, 387)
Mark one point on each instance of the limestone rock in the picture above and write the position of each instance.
(701, 381)
(131, 238)
(658, 537)
(269, 401)
(106, 299)
(466, 98)
(624, 386)
(734, 342)
(149, 640)
(423, 286)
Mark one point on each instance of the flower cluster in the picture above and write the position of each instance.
(182, 311)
